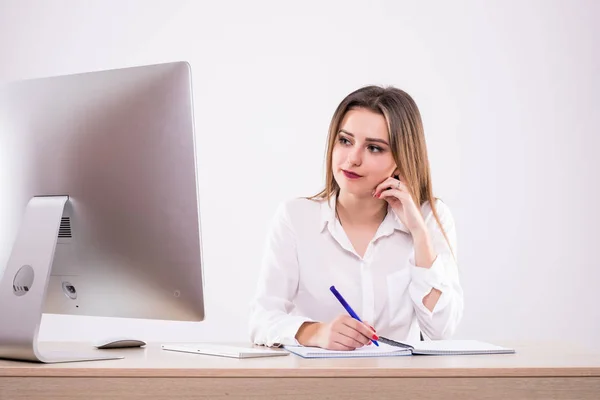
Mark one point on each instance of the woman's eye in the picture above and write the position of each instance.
(375, 149)
(343, 140)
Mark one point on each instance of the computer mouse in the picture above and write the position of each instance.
(119, 343)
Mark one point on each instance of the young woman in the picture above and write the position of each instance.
(375, 232)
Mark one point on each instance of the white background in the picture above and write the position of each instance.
(508, 90)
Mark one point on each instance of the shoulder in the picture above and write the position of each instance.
(442, 209)
(300, 206)
(300, 211)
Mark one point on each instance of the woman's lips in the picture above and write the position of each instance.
(351, 175)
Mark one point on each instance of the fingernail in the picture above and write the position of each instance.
(375, 337)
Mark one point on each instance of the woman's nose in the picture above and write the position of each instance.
(355, 156)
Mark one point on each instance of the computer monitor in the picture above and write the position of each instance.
(99, 213)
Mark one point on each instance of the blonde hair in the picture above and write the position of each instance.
(407, 141)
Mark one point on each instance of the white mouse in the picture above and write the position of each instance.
(118, 343)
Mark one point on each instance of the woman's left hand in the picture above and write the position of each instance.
(398, 196)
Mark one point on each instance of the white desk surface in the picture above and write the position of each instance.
(151, 361)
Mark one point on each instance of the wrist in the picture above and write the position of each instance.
(307, 333)
(420, 234)
(424, 254)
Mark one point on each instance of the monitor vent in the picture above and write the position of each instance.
(65, 228)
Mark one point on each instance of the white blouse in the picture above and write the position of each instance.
(307, 251)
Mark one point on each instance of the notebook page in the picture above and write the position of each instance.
(457, 347)
(383, 350)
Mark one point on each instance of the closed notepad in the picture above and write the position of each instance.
(215, 349)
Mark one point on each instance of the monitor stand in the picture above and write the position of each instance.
(24, 282)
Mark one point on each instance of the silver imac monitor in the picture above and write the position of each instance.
(99, 210)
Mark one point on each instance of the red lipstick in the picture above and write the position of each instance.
(351, 175)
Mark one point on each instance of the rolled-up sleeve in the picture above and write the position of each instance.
(270, 322)
(443, 275)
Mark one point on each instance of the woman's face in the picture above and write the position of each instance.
(362, 157)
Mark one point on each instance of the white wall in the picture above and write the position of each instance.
(509, 92)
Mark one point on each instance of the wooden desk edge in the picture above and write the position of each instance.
(300, 373)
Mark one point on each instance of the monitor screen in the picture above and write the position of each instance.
(118, 147)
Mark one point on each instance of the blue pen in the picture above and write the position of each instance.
(348, 308)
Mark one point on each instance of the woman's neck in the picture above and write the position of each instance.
(360, 211)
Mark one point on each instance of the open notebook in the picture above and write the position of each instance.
(392, 348)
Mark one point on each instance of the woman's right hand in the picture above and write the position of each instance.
(343, 333)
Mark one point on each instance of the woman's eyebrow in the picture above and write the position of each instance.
(367, 139)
